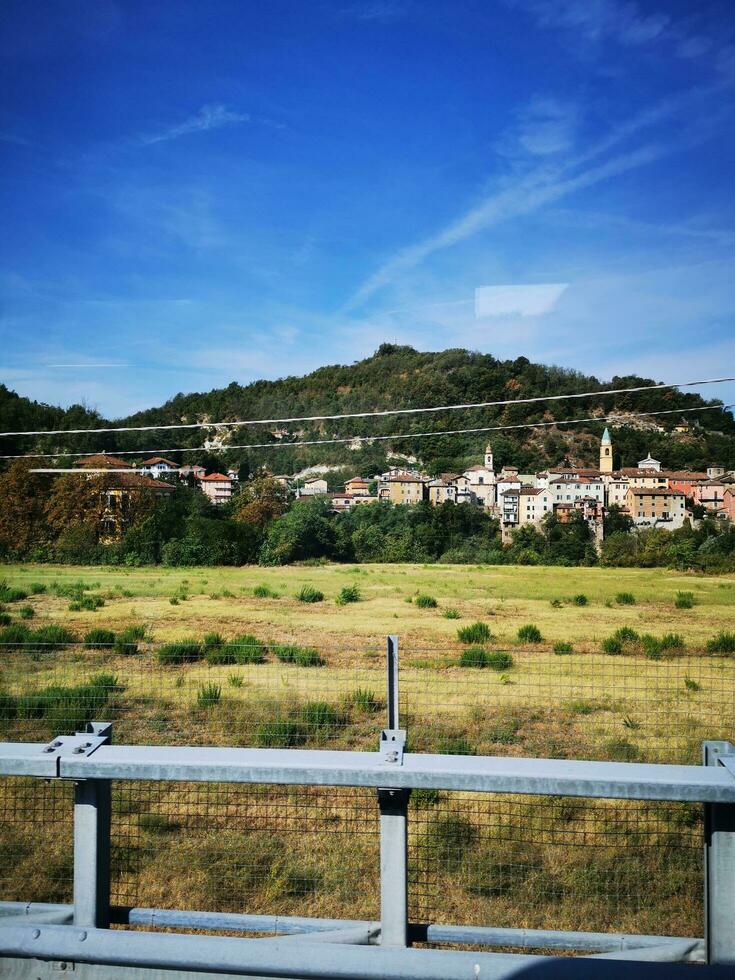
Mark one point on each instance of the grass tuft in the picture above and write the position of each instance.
(474, 633)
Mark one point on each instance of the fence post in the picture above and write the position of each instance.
(392, 685)
(719, 868)
(393, 805)
(92, 810)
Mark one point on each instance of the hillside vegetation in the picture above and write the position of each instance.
(401, 377)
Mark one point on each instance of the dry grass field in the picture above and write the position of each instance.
(509, 861)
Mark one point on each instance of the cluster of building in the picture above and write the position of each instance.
(217, 486)
(649, 494)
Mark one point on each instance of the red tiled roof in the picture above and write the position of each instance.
(216, 477)
(101, 459)
(136, 481)
(158, 459)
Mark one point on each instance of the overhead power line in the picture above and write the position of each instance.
(362, 415)
(368, 439)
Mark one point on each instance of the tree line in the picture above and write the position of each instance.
(60, 519)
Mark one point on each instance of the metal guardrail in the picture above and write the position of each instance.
(340, 948)
(39, 939)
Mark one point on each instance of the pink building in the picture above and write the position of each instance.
(217, 487)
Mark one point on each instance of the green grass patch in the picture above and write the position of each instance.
(474, 633)
(684, 600)
(307, 593)
(348, 594)
(724, 642)
(99, 638)
(181, 652)
(562, 648)
(424, 601)
(625, 599)
(530, 633)
(451, 613)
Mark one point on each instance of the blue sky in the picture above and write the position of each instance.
(195, 193)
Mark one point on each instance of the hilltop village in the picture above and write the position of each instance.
(649, 494)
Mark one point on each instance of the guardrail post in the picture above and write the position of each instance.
(92, 808)
(719, 868)
(393, 866)
(393, 805)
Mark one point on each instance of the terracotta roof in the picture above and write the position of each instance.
(532, 491)
(136, 481)
(102, 459)
(356, 479)
(158, 459)
(403, 479)
(218, 477)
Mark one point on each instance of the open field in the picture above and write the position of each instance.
(505, 596)
(510, 861)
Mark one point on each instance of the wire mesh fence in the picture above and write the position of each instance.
(283, 850)
(584, 706)
(188, 692)
(562, 863)
(474, 859)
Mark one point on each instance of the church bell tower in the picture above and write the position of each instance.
(606, 457)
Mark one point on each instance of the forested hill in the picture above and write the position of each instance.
(401, 377)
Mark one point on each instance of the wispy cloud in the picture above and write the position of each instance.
(212, 116)
(544, 127)
(542, 185)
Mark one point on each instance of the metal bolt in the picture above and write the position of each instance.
(36, 933)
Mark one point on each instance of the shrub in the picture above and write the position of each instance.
(301, 656)
(235, 680)
(308, 657)
(181, 652)
(626, 634)
(208, 694)
(451, 613)
(556, 603)
(425, 601)
(611, 645)
(724, 642)
(672, 641)
(580, 599)
(499, 660)
(5, 619)
(264, 592)
(625, 599)
(364, 700)
(52, 637)
(10, 594)
(308, 593)
(651, 646)
(220, 656)
(281, 733)
(473, 657)
(99, 637)
(27, 612)
(684, 600)
(563, 647)
(212, 640)
(245, 649)
(37, 588)
(529, 634)
(173, 600)
(15, 635)
(474, 633)
(347, 594)
(87, 603)
(126, 643)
